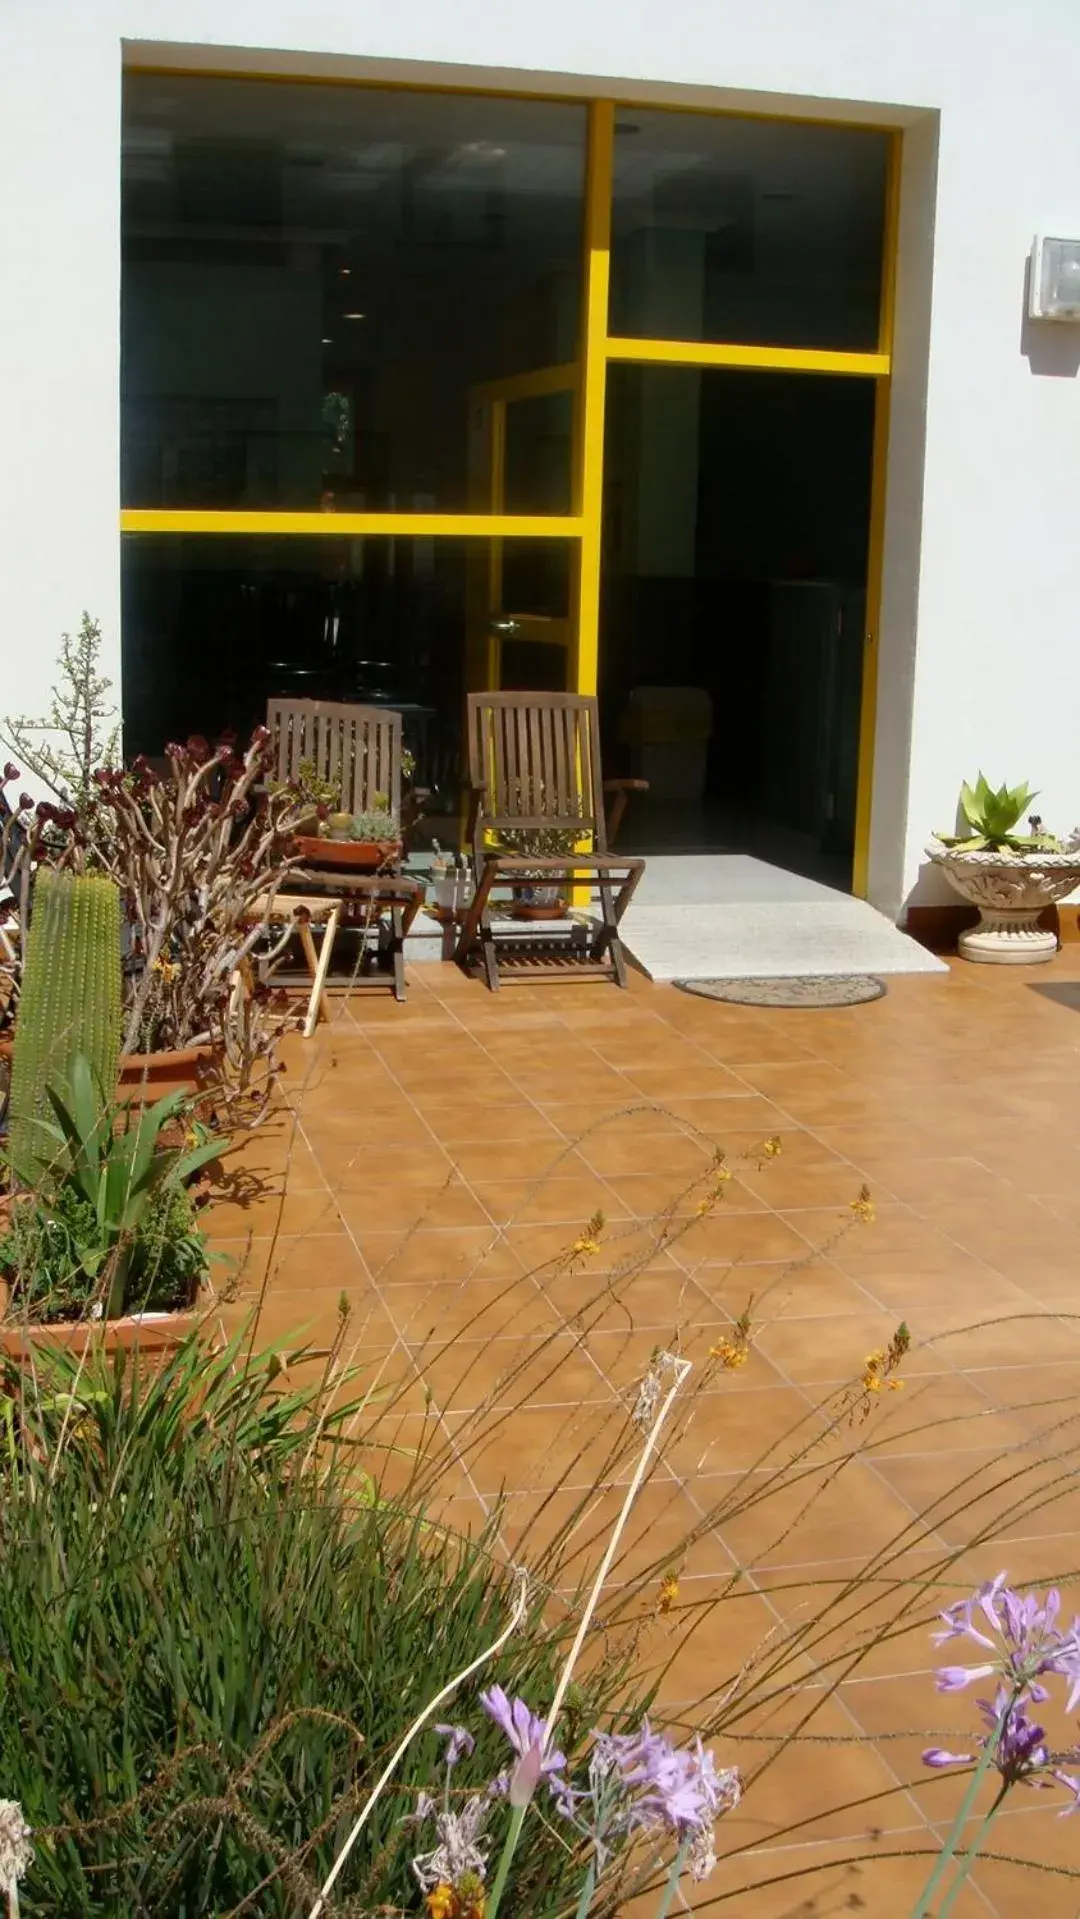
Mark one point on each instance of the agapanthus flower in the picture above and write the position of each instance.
(1024, 1639)
(459, 1743)
(461, 1847)
(641, 1782)
(526, 1733)
(16, 1852)
(1021, 1754)
(674, 1786)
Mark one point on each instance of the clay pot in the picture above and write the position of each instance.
(356, 856)
(151, 1333)
(145, 1077)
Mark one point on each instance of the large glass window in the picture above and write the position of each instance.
(214, 625)
(760, 231)
(316, 277)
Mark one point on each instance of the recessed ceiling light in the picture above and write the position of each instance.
(345, 272)
(327, 341)
(354, 316)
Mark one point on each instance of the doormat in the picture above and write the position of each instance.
(847, 989)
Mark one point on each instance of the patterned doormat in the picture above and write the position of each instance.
(847, 989)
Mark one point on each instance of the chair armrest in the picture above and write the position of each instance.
(620, 791)
(476, 797)
(412, 806)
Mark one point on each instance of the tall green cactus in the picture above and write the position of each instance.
(69, 1003)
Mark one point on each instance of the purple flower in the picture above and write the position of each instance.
(1027, 1641)
(673, 1786)
(459, 1743)
(525, 1732)
(955, 1678)
(1021, 1754)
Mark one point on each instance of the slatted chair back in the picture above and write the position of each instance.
(356, 746)
(534, 762)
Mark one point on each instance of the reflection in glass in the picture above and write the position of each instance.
(768, 232)
(213, 626)
(315, 276)
(736, 539)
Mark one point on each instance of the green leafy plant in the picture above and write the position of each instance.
(52, 1256)
(82, 720)
(309, 787)
(115, 1164)
(993, 817)
(261, 1619)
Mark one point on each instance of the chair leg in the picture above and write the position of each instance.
(397, 952)
(316, 1004)
(488, 954)
(607, 944)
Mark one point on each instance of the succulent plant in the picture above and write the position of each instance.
(993, 816)
(69, 1005)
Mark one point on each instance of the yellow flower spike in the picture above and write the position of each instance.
(669, 1592)
(441, 1902)
(863, 1206)
(588, 1242)
(730, 1353)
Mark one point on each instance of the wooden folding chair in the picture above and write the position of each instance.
(534, 765)
(360, 749)
(356, 747)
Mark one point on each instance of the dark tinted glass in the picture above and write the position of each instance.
(762, 231)
(736, 538)
(316, 276)
(213, 626)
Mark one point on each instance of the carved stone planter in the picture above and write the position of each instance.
(1011, 891)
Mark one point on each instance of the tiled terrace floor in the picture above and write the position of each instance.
(446, 1154)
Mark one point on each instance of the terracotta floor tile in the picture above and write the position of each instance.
(752, 1237)
(955, 1100)
(445, 1257)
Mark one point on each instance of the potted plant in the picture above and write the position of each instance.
(197, 853)
(536, 897)
(1011, 877)
(100, 1226)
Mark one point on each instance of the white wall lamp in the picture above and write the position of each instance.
(1054, 282)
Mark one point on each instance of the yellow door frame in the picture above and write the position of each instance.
(588, 378)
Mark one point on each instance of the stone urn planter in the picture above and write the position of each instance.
(1011, 891)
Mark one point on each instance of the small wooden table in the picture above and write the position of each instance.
(383, 904)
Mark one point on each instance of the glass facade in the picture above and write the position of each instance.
(408, 311)
(768, 232)
(316, 277)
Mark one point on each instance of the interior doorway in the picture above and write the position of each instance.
(736, 551)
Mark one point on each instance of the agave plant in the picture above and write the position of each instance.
(118, 1170)
(993, 816)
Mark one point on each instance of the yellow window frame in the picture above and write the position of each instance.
(588, 378)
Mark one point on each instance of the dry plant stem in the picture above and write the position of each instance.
(682, 1367)
(447, 1692)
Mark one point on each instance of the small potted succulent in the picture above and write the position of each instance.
(1011, 877)
(536, 897)
(363, 842)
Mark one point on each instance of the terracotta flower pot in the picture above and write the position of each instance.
(356, 856)
(150, 1332)
(145, 1077)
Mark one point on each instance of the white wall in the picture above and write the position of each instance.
(995, 676)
